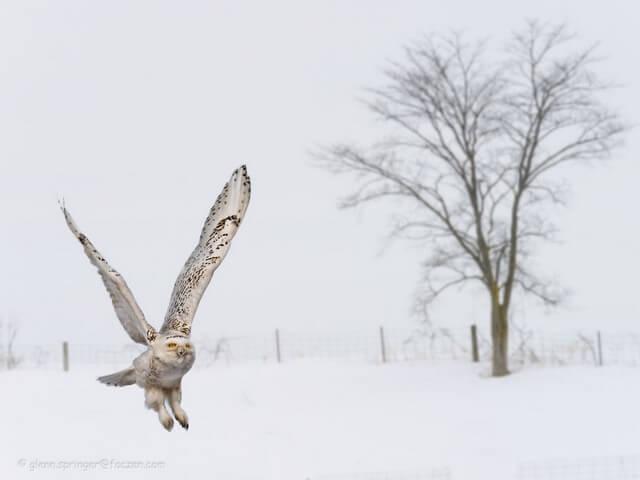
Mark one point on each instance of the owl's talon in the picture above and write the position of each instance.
(183, 421)
(167, 424)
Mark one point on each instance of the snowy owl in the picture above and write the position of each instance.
(170, 353)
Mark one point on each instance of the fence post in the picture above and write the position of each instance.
(600, 359)
(475, 356)
(383, 347)
(65, 356)
(278, 354)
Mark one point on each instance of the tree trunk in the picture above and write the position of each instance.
(500, 340)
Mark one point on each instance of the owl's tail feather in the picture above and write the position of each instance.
(120, 379)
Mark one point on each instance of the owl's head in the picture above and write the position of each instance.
(174, 347)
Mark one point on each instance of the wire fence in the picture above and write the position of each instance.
(382, 345)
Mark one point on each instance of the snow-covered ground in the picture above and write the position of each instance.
(310, 420)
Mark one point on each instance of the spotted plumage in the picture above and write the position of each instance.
(170, 354)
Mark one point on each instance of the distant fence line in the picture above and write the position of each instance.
(382, 345)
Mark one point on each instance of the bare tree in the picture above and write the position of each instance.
(475, 153)
(10, 328)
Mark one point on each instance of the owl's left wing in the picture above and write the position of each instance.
(218, 231)
(124, 303)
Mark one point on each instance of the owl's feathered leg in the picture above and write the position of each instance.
(154, 399)
(175, 397)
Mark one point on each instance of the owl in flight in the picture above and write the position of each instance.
(170, 353)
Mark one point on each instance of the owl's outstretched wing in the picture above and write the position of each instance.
(124, 303)
(218, 231)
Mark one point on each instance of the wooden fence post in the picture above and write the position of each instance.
(278, 353)
(383, 347)
(65, 356)
(475, 356)
(600, 359)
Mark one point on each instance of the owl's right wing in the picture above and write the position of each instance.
(219, 229)
(124, 303)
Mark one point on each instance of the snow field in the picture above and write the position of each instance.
(311, 419)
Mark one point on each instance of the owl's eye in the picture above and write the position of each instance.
(188, 345)
(171, 345)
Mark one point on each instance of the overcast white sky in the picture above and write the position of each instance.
(138, 111)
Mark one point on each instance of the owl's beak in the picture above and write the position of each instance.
(181, 351)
